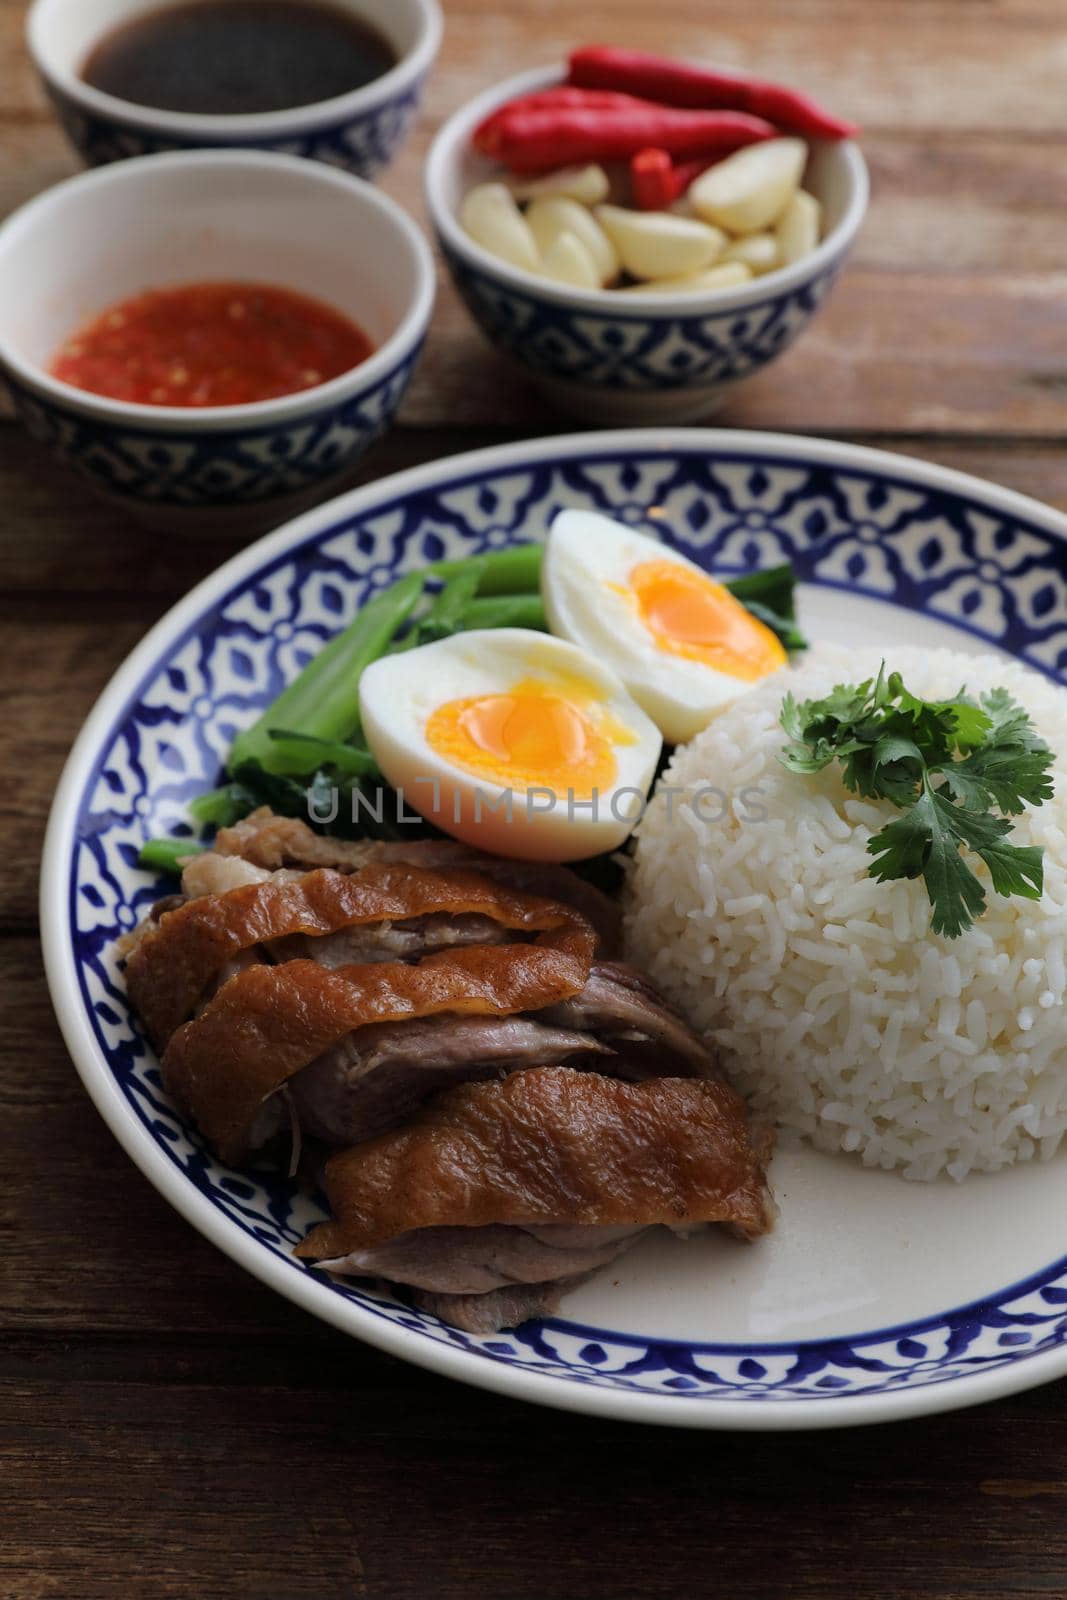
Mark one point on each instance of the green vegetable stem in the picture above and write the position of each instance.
(324, 700)
(167, 855)
(515, 570)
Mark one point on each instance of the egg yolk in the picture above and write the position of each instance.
(534, 734)
(692, 616)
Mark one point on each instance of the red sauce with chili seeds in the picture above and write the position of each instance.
(211, 344)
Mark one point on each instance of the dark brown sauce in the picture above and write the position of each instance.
(238, 57)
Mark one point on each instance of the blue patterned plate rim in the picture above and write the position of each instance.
(493, 1363)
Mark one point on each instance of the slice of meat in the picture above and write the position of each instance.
(209, 873)
(462, 1261)
(273, 842)
(500, 1308)
(376, 1077)
(172, 966)
(148, 924)
(269, 1022)
(622, 1007)
(550, 1146)
(391, 941)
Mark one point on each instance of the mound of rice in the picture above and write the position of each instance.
(833, 1006)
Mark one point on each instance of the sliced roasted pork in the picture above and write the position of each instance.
(378, 1076)
(272, 842)
(473, 1261)
(374, 1079)
(625, 1010)
(483, 1279)
(176, 961)
(500, 1308)
(270, 1022)
(485, 1187)
(390, 941)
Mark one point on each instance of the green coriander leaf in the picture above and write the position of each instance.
(891, 745)
(791, 719)
(925, 841)
(1007, 778)
(972, 724)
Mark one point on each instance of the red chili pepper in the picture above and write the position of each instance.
(652, 180)
(538, 139)
(656, 181)
(677, 83)
(541, 99)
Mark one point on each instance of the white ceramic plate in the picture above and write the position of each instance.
(875, 1298)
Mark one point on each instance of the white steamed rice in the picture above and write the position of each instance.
(834, 1008)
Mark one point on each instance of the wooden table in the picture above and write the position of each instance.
(170, 1428)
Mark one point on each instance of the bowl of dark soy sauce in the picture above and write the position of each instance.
(333, 80)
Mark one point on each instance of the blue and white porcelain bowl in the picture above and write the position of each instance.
(874, 1298)
(634, 358)
(359, 131)
(223, 215)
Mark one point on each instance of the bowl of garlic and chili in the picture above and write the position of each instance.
(638, 258)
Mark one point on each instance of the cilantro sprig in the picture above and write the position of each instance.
(958, 769)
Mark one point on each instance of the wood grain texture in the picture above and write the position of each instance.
(168, 1428)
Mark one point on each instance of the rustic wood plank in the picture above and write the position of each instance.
(264, 1474)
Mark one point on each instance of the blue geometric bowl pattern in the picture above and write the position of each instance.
(867, 529)
(196, 467)
(635, 350)
(363, 143)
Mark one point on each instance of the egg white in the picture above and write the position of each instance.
(586, 555)
(399, 693)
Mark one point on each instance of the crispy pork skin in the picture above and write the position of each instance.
(272, 842)
(172, 966)
(269, 1022)
(550, 1146)
(390, 941)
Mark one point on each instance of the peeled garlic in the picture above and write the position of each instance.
(589, 185)
(798, 227)
(727, 276)
(568, 261)
(657, 244)
(552, 215)
(758, 252)
(751, 188)
(493, 220)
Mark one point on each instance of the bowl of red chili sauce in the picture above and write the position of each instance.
(335, 80)
(212, 332)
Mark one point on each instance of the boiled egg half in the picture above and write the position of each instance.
(516, 742)
(680, 642)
